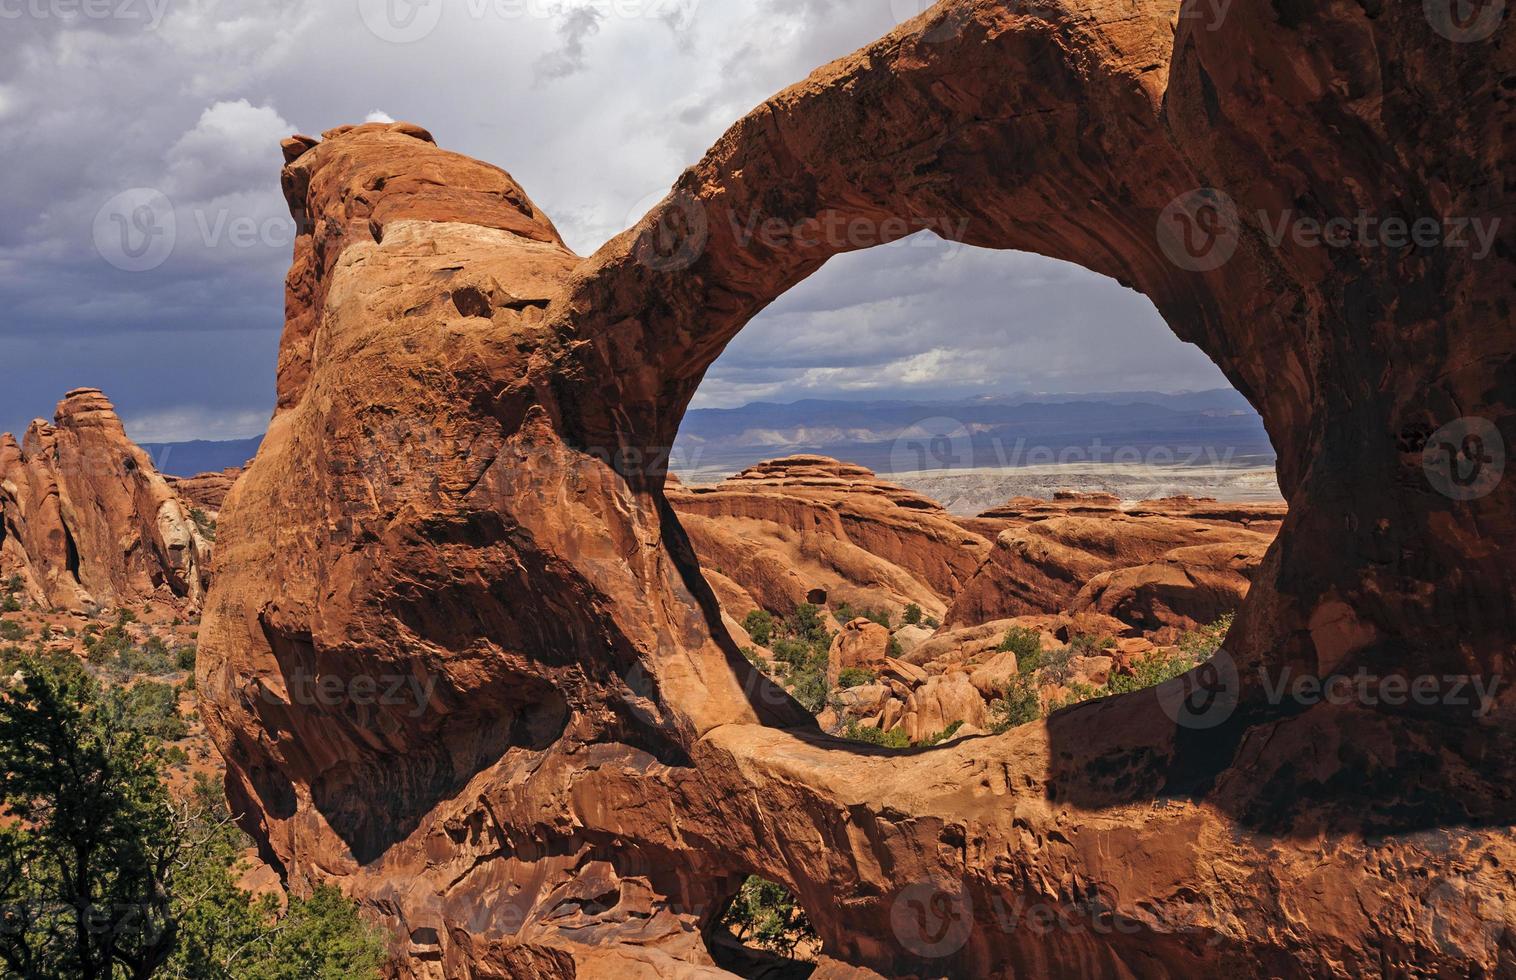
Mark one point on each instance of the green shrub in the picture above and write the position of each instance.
(855, 677)
(1085, 645)
(152, 709)
(151, 658)
(1058, 666)
(1202, 645)
(943, 735)
(805, 623)
(1026, 644)
(793, 652)
(1078, 693)
(912, 615)
(1017, 704)
(764, 915)
(12, 630)
(892, 739)
(9, 604)
(808, 686)
(760, 626)
(204, 523)
(893, 649)
(184, 657)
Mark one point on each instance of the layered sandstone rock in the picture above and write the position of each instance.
(85, 519)
(1184, 589)
(1150, 571)
(784, 529)
(205, 490)
(940, 702)
(861, 645)
(455, 492)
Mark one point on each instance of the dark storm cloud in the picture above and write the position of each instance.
(577, 26)
(124, 135)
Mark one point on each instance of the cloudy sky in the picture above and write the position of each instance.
(143, 239)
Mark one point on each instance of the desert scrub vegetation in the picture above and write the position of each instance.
(856, 677)
(204, 523)
(108, 875)
(766, 916)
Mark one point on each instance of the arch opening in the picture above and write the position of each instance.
(911, 529)
(764, 931)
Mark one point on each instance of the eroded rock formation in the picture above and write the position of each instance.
(786, 528)
(457, 493)
(1153, 571)
(205, 490)
(85, 519)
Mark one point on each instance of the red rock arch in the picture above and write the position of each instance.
(461, 489)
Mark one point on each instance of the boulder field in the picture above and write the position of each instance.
(544, 754)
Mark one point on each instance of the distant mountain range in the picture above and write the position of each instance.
(1211, 428)
(201, 456)
(1214, 428)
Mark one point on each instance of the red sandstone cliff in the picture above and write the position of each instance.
(85, 519)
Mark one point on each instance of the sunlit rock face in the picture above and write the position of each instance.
(462, 661)
(86, 521)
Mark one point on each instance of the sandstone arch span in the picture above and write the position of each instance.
(577, 768)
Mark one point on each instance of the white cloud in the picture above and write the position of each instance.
(232, 147)
(189, 424)
(378, 116)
